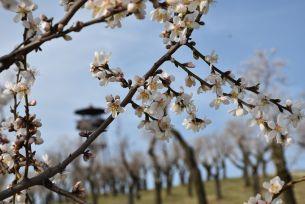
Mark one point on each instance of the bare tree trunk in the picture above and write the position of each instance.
(246, 162)
(208, 169)
(157, 172)
(194, 170)
(130, 194)
(113, 187)
(94, 193)
(255, 180)
(169, 183)
(190, 186)
(144, 179)
(224, 168)
(279, 160)
(122, 188)
(182, 176)
(264, 168)
(246, 177)
(137, 181)
(217, 183)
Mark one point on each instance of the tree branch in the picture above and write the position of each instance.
(236, 82)
(52, 171)
(52, 187)
(288, 186)
(74, 8)
(7, 60)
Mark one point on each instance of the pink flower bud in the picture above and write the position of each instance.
(33, 103)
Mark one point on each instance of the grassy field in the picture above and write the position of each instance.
(233, 190)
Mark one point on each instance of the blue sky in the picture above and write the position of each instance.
(234, 29)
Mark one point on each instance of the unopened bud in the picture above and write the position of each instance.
(60, 27)
(43, 17)
(33, 103)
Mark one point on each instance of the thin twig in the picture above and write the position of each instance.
(236, 82)
(7, 60)
(288, 186)
(52, 187)
(52, 171)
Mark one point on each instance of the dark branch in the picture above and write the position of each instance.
(52, 187)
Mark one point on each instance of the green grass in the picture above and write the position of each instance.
(233, 190)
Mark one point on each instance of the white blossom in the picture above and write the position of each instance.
(212, 58)
(239, 111)
(139, 80)
(101, 58)
(297, 114)
(138, 8)
(277, 128)
(275, 185)
(164, 128)
(153, 84)
(218, 101)
(33, 25)
(21, 7)
(144, 95)
(183, 101)
(157, 107)
(255, 200)
(7, 159)
(160, 15)
(217, 82)
(114, 105)
(190, 81)
(195, 124)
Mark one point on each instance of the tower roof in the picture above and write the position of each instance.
(93, 111)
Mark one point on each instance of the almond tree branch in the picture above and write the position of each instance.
(52, 171)
(203, 82)
(7, 60)
(73, 9)
(190, 73)
(52, 187)
(288, 186)
(236, 82)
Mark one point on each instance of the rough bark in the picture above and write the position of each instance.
(157, 172)
(224, 169)
(130, 194)
(255, 180)
(208, 169)
(279, 160)
(246, 162)
(94, 191)
(216, 176)
(193, 166)
(190, 186)
(182, 174)
(264, 168)
(169, 183)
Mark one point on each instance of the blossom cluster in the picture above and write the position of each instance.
(178, 17)
(35, 26)
(4, 100)
(154, 94)
(101, 8)
(25, 128)
(100, 69)
(274, 119)
(273, 187)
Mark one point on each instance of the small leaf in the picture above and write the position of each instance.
(67, 37)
